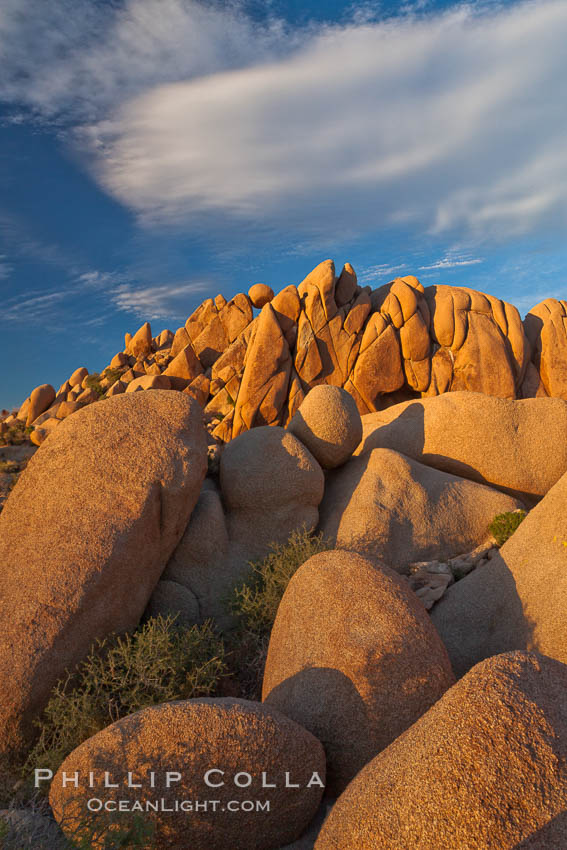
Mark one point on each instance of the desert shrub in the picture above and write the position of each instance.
(9, 466)
(15, 435)
(503, 526)
(254, 604)
(92, 382)
(113, 833)
(157, 663)
(113, 375)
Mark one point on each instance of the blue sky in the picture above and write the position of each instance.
(156, 152)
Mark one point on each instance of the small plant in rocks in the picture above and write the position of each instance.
(92, 382)
(503, 526)
(254, 604)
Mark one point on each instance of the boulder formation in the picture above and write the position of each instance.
(329, 424)
(270, 486)
(353, 657)
(486, 766)
(79, 562)
(230, 743)
(396, 343)
(393, 508)
(499, 442)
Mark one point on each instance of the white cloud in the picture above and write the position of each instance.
(158, 302)
(379, 272)
(453, 121)
(452, 261)
(76, 59)
(33, 307)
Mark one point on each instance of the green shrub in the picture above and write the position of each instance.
(113, 375)
(254, 604)
(503, 526)
(157, 663)
(16, 434)
(92, 382)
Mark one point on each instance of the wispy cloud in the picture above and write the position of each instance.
(379, 272)
(433, 120)
(16, 233)
(5, 268)
(193, 112)
(171, 301)
(451, 261)
(32, 307)
(76, 60)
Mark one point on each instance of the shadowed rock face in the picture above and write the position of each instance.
(393, 508)
(520, 600)
(270, 486)
(85, 536)
(396, 343)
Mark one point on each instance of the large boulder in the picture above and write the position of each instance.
(232, 751)
(40, 399)
(478, 343)
(260, 294)
(271, 486)
(391, 507)
(140, 345)
(149, 382)
(329, 424)
(200, 573)
(494, 441)
(85, 536)
(546, 329)
(519, 600)
(263, 391)
(485, 767)
(353, 657)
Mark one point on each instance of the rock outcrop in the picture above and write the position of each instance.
(230, 743)
(392, 344)
(353, 657)
(270, 485)
(494, 441)
(485, 767)
(393, 508)
(85, 535)
(329, 424)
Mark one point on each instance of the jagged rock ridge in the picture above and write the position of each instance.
(391, 344)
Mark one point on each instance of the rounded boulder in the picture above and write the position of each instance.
(85, 536)
(260, 294)
(270, 484)
(40, 399)
(485, 767)
(391, 507)
(232, 751)
(501, 442)
(329, 424)
(354, 658)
